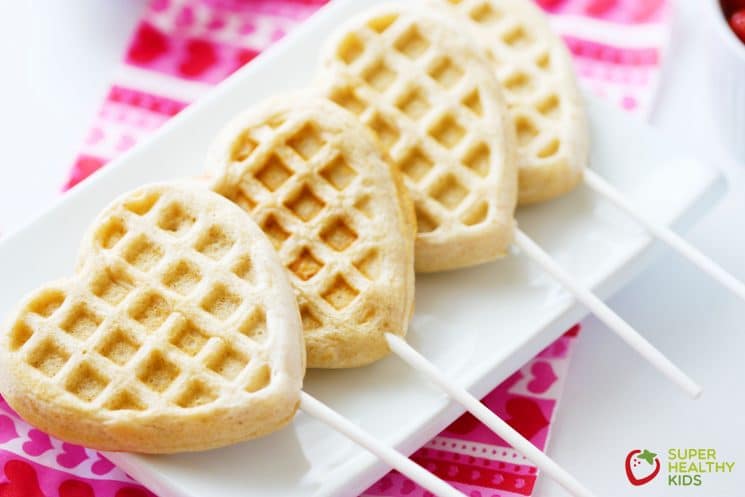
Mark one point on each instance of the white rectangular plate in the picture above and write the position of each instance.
(478, 325)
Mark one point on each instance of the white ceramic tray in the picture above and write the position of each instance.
(479, 325)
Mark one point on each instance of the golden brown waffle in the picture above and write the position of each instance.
(179, 331)
(536, 74)
(436, 108)
(311, 176)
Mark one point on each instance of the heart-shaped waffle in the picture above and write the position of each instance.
(179, 331)
(538, 80)
(437, 110)
(312, 177)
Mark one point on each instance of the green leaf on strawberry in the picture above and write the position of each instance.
(647, 456)
(636, 475)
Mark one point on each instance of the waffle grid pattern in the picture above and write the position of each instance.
(537, 78)
(427, 113)
(133, 337)
(316, 207)
(529, 78)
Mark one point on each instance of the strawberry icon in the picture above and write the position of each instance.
(642, 466)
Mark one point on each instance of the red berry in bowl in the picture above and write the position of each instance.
(737, 23)
(731, 6)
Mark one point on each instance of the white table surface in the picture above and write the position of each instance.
(58, 59)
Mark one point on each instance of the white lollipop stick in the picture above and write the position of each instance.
(417, 361)
(666, 235)
(395, 459)
(608, 316)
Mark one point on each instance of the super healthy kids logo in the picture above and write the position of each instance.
(684, 467)
(637, 471)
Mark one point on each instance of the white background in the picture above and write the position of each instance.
(58, 59)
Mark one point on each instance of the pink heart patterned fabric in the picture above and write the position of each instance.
(38, 443)
(187, 46)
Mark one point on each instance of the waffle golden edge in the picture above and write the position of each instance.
(437, 110)
(177, 332)
(313, 178)
(536, 73)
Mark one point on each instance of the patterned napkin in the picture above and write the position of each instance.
(181, 49)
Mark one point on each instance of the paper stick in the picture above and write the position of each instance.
(666, 235)
(395, 459)
(624, 330)
(418, 362)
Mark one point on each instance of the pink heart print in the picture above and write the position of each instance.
(543, 377)
(75, 488)
(159, 5)
(525, 415)
(407, 487)
(102, 466)
(72, 455)
(94, 136)
(38, 443)
(600, 7)
(7, 429)
(21, 480)
(185, 17)
(199, 57)
(278, 34)
(385, 483)
(642, 10)
(247, 28)
(216, 23)
(125, 142)
(556, 350)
